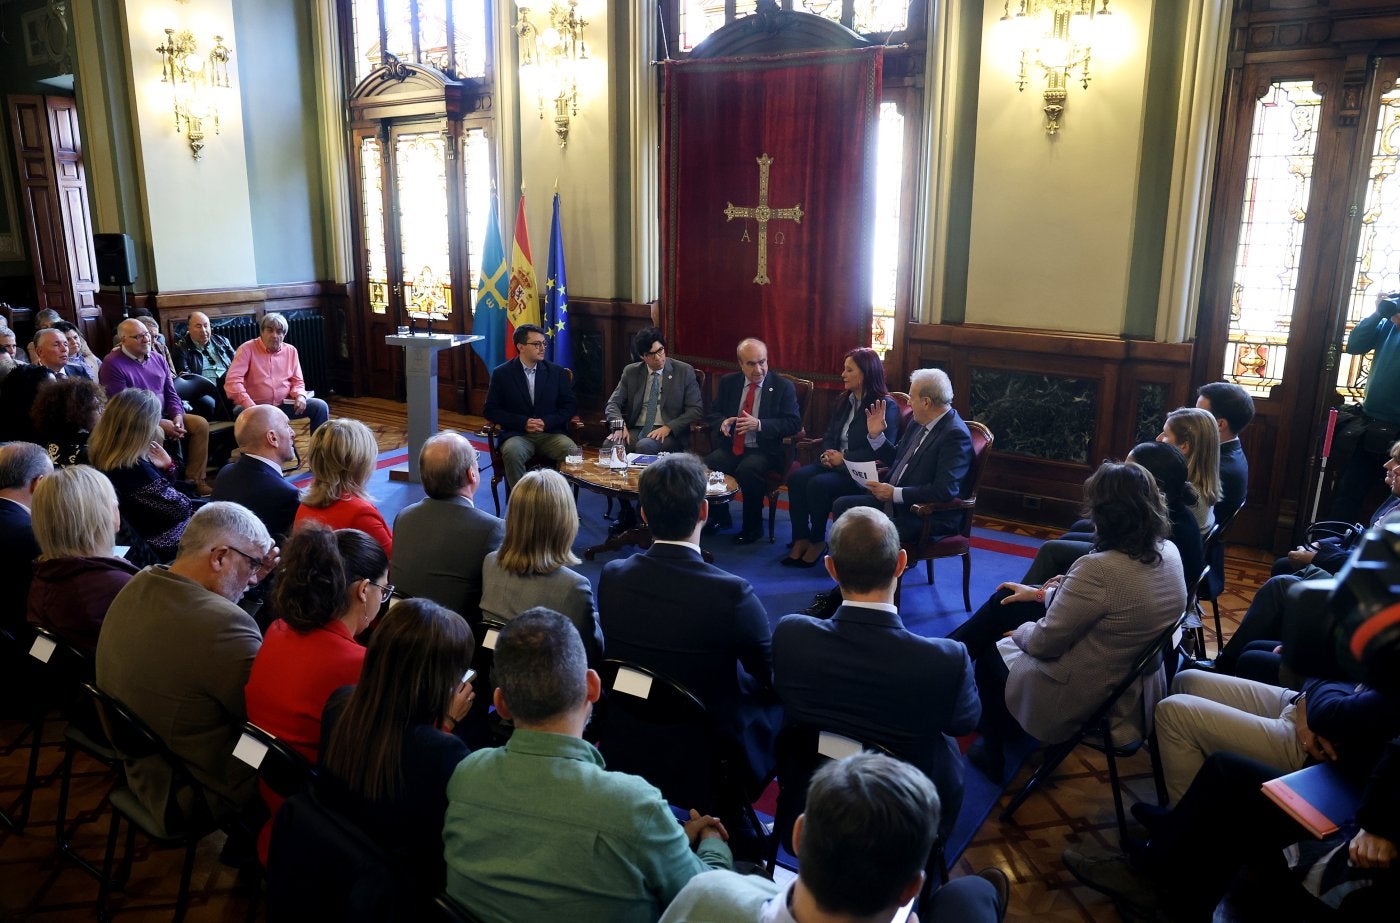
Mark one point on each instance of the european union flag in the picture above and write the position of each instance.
(489, 319)
(556, 297)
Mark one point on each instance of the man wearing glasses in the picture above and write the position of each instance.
(176, 649)
(532, 400)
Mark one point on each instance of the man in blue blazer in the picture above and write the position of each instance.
(22, 466)
(863, 674)
(265, 437)
(755, 411)
(532, 400)
(667, 610)
(1233, 409)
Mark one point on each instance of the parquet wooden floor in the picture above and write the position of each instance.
(1077, 807)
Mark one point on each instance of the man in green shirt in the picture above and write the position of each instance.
(539, 829)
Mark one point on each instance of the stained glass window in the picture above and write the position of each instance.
(1278, 178)
(874, 16)
(416, 31)
(421, 192)
(885, 278)
(372, 195)
(1378, 251)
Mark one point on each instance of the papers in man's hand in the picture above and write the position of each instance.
(865, 473)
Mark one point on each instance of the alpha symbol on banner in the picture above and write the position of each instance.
(762, 213)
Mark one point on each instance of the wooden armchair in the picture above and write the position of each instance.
(493, 431)
(927, 548)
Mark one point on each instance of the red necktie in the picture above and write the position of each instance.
(748, 408)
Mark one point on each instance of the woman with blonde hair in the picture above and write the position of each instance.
(126, 446)
(1195, 433)
(341, 459)
(75, 520)
(530, 568)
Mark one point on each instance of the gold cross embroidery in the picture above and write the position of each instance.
(762, 213)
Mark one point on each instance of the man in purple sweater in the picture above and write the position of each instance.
(133, 364)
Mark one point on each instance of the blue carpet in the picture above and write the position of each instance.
(930, 610)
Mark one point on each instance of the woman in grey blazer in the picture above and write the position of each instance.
(530, 568)
(1070, 641)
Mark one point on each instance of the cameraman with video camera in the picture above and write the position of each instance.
(1372, 431)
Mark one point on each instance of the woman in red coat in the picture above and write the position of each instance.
(331, 585)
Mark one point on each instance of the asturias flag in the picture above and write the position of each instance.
(489, 321)
(524, 304)
(556, 297)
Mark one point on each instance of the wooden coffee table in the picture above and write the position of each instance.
(621, 483)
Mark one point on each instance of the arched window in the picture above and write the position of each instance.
(419, 90)
(900, 26)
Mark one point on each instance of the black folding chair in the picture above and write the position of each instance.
(26, 654)
(134, 741)
(802, 750)
(1097, 732)
(646, 718)
(483, 726)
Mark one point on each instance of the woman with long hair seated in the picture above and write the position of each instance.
(77, 576)
(812, 489)
(329, 588)
(1069, 642)
(387, 744)
(65, 412)
(126, 446)
(1197, 435)
(530, 568)
(1167, 466)
(341, 459)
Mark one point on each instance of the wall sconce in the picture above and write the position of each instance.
(1057, 37)
(550, 58)
(196, 83)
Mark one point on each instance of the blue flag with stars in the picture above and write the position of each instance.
(556, 297)
(489, 319)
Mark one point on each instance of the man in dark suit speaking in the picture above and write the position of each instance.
(862, 673)
(255, 480)
(755, 411)
(929, 466)
(531, 399)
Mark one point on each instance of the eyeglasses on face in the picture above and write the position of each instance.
(658, 351)
(256, 562)
(538, 344)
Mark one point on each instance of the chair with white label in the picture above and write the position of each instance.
(652, 726)
(483, 727)
(26, 651)
(802, 749)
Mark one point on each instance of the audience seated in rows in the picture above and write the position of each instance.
(444, 538)
(265, 442)
(1167, 466)
(23, 465)
(530, 567)
(813, 489)
(176, 649)
(77, 575)
(126, 446)
(329, 588)
(754, 411)
(341, 459)
(532, 400)
(1071, 641)
(388, 749)
(862, 674)
(540, 823)
(669, 611)
(64, 414)
(868, 827)
(135, 365)
(267, 370)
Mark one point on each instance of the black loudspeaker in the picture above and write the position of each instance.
(116, 259)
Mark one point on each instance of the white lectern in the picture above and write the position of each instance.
(421, 372)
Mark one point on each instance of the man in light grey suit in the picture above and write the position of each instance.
(653, 405)
(656, 399)
(441, 541)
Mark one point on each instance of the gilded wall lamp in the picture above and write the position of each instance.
(1056, 38)
(550, 58)
(199, 83)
